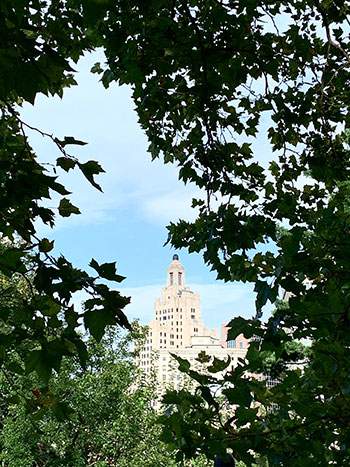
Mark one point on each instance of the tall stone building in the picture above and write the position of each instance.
(177, 328)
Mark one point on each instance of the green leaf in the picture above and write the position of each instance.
(11, 261)
(244, 415)
(37, 361)
(15, 367)
(90, 169)
(184, 365)
(62, 410)
(66, 163)
(219, 365)
(97, 68)
(66, 208)
(106, 270)
(264, 292)
(243, 326)
(70, 140)
(96, 322)
(45, 245)
(240, 394)
(46, 305)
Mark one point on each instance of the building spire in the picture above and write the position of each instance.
(176, 273)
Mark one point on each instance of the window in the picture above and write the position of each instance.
(171, 278)
(241, 345)
(164, 317)
(231, 344)
(179, 275)
(193, 316)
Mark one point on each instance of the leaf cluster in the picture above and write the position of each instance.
(207, 76)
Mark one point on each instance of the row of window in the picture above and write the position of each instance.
(144, 363)
(172, 322)
(145, 355)
(232, 344)
(170, 310)
(172, 343)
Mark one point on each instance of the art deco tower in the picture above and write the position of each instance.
(177, 317)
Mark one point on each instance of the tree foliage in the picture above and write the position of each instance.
(39, 43)
(106, 418)
(208, 76)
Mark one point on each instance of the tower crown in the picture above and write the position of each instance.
(176, 273)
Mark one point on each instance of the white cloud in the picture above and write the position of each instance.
(107, 121)
(170, 206)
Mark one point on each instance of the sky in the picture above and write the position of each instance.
(127, 222)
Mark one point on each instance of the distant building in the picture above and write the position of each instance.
(239, 343)
(177, 328)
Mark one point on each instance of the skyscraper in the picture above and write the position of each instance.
(177, 328)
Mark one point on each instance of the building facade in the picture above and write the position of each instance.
(177, 328)
(239, 343)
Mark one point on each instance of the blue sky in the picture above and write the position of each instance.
(127, 222)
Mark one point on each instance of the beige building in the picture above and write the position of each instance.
(177, 327)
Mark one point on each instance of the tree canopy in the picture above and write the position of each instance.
(208, 76)
(106, 419)
(40, 41)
